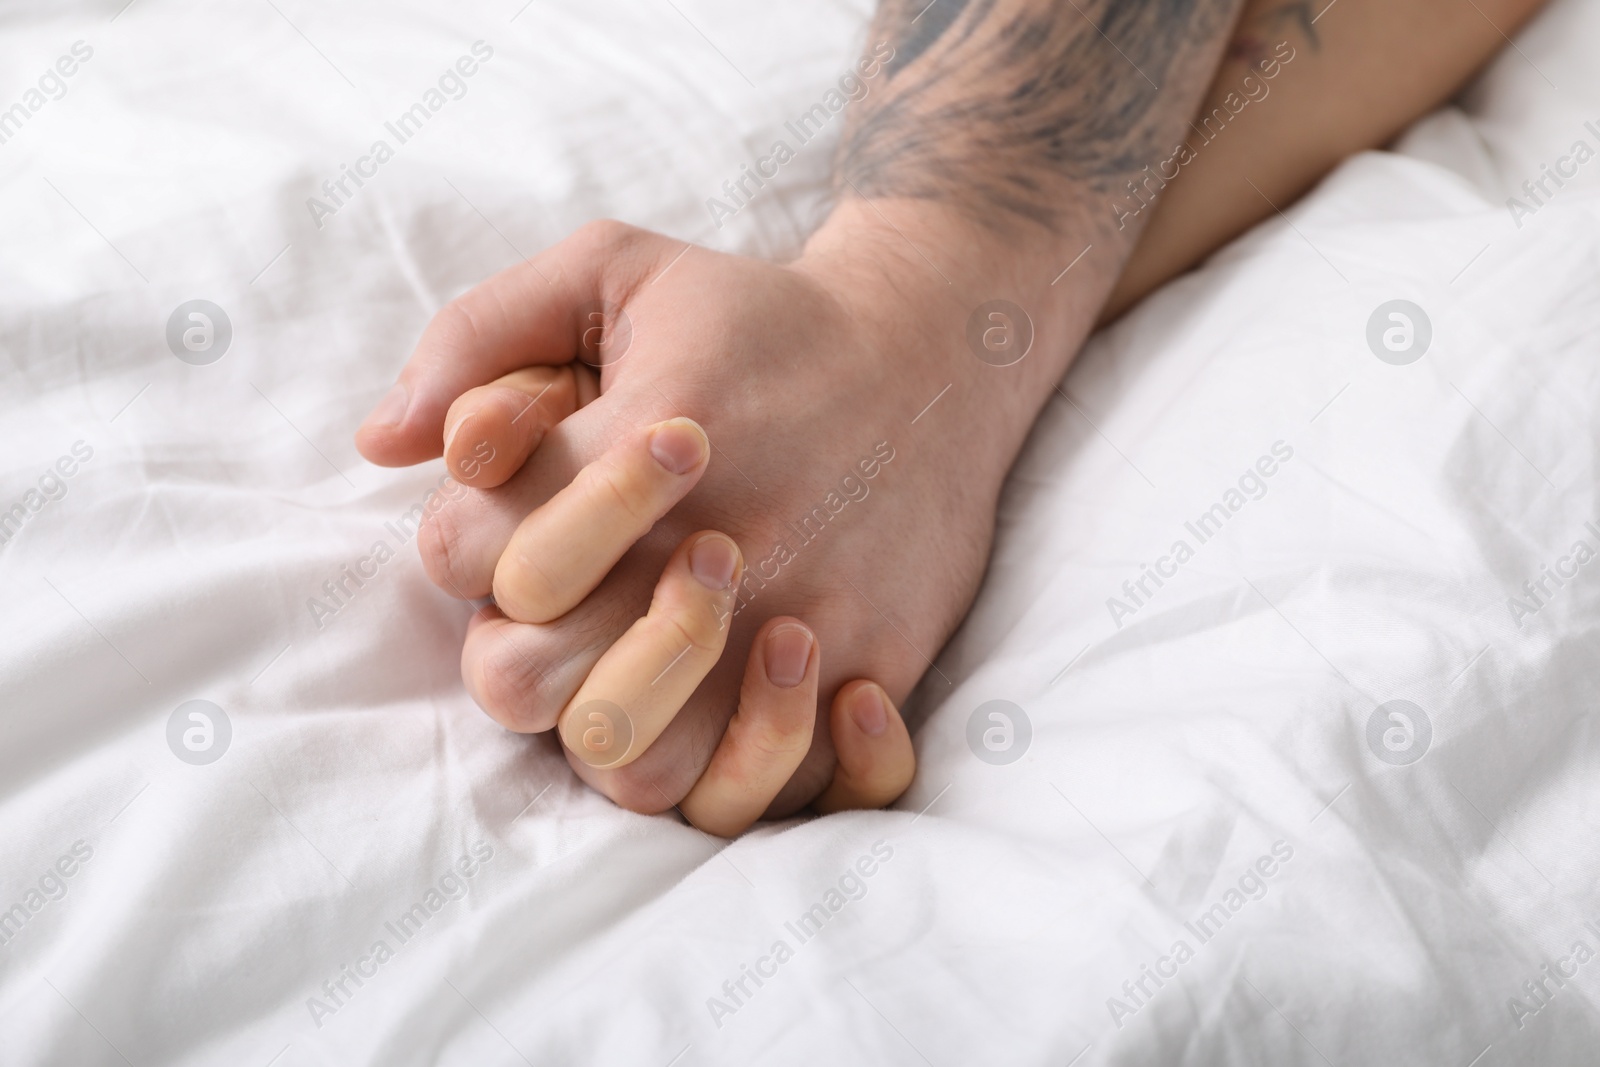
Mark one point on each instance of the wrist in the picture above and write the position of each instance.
(951, 301)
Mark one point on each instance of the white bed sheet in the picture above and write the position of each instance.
(1222, 724)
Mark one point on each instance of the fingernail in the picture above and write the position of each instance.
(391, 410)
(712, 560)
(788, 652)
(679, 445)
(867, 708)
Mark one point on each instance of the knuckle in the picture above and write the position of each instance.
(438, 543)
(621, 488)
(624, 254)
(772, 742)
(606, 234)
(702, 627)
(516, 689)
(525, 590)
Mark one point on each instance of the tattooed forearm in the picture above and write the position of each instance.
(1016, 110)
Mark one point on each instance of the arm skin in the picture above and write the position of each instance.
(1361, 73)
(984, 164)
(1005, 141)
(977, 168)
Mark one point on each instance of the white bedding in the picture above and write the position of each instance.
(1216, 739)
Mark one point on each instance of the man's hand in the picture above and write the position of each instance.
(858, 507)
(862, 405)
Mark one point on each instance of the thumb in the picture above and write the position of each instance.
(563, 304)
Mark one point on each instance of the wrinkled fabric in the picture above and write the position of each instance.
(1319, 786)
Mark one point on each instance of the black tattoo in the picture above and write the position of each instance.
(923, 29)
(1017, 108)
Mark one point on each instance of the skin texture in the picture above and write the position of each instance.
(984, 167)
(1362, 72)
(769, 466)
(1001, 107)
(800, 373)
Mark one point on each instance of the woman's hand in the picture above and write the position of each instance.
(640, 683)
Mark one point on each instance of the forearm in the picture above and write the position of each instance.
(1299, 92)
(981, 167)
